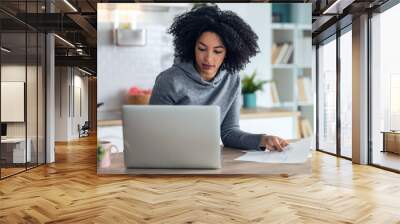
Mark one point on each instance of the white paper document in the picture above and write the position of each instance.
(296, 152)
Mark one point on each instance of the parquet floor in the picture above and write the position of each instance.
(69, 191)
(9, 171)
(387, 159)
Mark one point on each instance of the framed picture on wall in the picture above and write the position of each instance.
(12, 101)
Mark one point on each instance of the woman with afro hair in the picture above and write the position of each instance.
(211, 47)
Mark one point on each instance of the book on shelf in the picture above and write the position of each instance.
(274, 52)
(305, 128)
(300, 89)
(271, 92)
(274, 93)
(281, 53)
(288, 54)
(304, 88)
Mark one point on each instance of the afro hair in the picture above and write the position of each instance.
(237, 36)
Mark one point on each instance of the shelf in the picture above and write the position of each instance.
(304, 66)
(283, 26)
(286, 66)
(266, 112)
(283, 104)
(291, 104)
(290, 66)
(286, 75)
(301, 104)
(290, 26)
(304, 26)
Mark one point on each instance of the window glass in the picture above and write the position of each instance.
(327, 96)
(346, 94)
(385, 84)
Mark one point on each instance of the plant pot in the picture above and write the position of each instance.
(249, 100)
(139, 99)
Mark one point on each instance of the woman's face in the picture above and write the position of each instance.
(210, 54)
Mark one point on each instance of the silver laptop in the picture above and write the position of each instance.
(158, 136)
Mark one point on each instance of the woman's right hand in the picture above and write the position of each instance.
(272, 142)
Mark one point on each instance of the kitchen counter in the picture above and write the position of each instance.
(259, 112)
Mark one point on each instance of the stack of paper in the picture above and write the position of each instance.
(297, 152)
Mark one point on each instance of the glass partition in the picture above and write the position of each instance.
(31, 87)
(22, 88)
(13, 91)
(31, 100)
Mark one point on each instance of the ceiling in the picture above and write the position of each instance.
(76, 21)
(331, 15)
(73, 20)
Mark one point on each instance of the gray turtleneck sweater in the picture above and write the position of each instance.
(182, 85)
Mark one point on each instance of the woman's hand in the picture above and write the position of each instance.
(271, 142)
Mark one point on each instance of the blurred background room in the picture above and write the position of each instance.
(134, 47)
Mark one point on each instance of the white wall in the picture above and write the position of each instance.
(13, 72)
(258, 16)
(79, 117)
(68, 82)
(33, 126)
(61, 103)
(120, 67)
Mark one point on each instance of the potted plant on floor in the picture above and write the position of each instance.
(249, 88)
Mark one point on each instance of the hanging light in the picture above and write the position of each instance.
(64, 40)
(5, 50)
(70, 5)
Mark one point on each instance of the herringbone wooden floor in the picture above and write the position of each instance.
(70, 191)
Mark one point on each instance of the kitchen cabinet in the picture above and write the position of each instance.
(277, 122)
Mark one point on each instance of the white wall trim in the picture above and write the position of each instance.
(50, 99)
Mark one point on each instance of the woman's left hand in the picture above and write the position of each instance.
(271, 142)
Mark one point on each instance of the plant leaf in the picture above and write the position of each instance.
(250, 85)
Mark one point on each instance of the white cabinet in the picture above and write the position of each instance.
(278, 122)
(19, 155)
(18, 149)
(284, 127)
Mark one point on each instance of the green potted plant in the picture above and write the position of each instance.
(249, 88)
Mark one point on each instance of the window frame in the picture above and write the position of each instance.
(333, 37)
(27, 29)
(326, 37)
